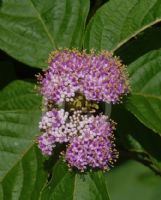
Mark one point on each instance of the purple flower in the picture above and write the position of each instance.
(100, 77)
(89, 138)
(52, 126)
(80, 81)
(94, 147)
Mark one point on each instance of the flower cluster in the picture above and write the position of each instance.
(100, 77)
(94, 147)
(88, 138)
(81, 81)
(53, 127)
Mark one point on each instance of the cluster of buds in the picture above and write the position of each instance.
(79, 81)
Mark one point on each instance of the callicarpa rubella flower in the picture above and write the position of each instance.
(52, 125)
(79, 81)
(89, 139)
(100, 77)
(94, 147)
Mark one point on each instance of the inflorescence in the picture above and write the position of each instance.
(79, 81)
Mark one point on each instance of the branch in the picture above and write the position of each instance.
(140, 157)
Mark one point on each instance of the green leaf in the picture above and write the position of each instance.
(90, 186)
(137, 47)
(30, 29)
(21, 167)
(120, 20)
(133, 181)
(145, 99)
(19, 95)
